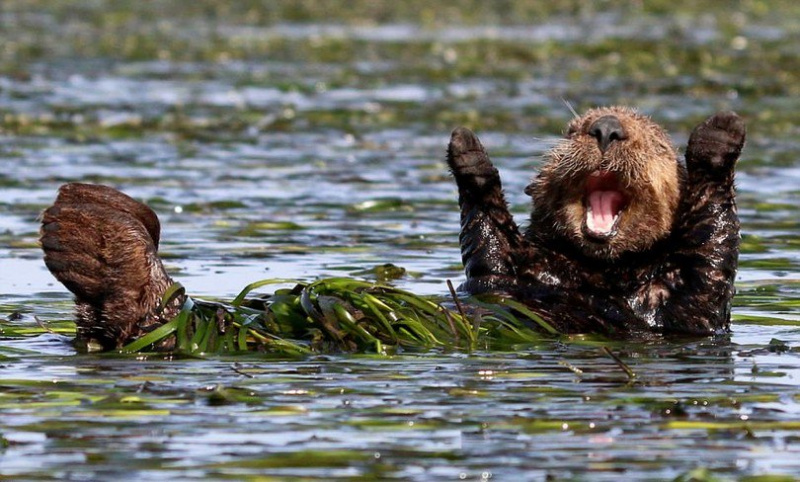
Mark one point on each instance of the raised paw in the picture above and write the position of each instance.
(489, 237)
(716, 143)
(467, 158)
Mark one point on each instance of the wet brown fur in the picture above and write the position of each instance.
(102, 245)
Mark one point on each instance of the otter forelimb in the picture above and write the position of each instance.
(709, 228)
(490, 239)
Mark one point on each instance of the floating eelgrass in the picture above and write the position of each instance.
(339, 314)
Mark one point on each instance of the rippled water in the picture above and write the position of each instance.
(298, 145)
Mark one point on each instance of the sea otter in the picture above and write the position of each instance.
(622, 238)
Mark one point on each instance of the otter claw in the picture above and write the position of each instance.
(716, 142)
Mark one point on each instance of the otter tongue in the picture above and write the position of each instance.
(603, 210)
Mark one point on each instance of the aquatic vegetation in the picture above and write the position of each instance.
(333, 315)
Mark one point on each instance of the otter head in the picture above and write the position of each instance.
(610, 187)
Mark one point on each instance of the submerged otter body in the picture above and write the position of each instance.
(622, 237)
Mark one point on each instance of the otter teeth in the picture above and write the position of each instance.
(594, 224)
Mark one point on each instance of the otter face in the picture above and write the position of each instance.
(612, 186)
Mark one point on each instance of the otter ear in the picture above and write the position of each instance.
(716, 143)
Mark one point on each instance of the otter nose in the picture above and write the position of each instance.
(606, 130)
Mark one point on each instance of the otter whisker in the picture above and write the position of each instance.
(575, 115)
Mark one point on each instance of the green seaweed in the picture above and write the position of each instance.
(339, 314)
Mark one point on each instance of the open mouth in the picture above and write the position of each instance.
(604, 201)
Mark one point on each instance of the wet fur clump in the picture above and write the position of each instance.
(623, 237)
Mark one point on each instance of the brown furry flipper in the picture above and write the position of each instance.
(490, 240)
(96, 194)
(101, 244)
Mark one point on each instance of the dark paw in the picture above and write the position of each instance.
(466, 156)
(716, 143)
